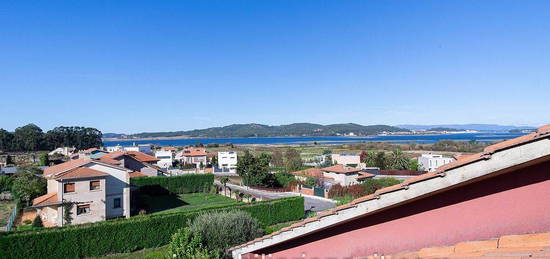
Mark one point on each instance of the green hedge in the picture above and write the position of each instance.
(126, 235)
(176, 184)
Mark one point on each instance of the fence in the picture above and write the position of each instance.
(11, 219)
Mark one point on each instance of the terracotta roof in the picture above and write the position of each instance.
(169, 148)
(81, 172)
(89, 150)
(136, 174)
(401, 172)
(511, 246)
(135, 154)
(194, 152)
(541, 133)
(341, 169)
(46, 200)
(142, 156)
(315, 172)
(52, 170)
(365, 176)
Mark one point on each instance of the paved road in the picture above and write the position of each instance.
(313, 203)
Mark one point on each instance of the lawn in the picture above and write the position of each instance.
(6, 208)
(183, 202)
(147, 253)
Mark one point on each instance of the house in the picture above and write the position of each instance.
(143, 148)
(92, 153)
(135, 161)
(499, 198)
(430, 162)
(342, 174)
(227, 161)
(346, 159)
(196, 156)
(93, 191)
(166, 158)
(114, 148)
(65, 151)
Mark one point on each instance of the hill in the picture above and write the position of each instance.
(478, 127)
(261, 130)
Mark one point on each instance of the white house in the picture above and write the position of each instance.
(95, 190)
(166, 158)
(227, 161)
(344, 175)
(196, 156)
(430, 162)
(66, 151)
(346, 159)
(143, 148)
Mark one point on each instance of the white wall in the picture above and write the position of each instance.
(227, 160)
(343, 179)
(430, 162)
(118, 184)
(166, 158)
(346, 159)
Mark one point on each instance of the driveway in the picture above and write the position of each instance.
(312, 203)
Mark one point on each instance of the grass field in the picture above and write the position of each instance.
(6, 208)
(183, 202)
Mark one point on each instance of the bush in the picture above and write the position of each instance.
(127, 235)
(284, 179)
(174, 184)
(188, 245)
(37, 222)
(5, 183)
(369, 186)
(222, 230)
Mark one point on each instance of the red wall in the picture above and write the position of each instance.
(514, 203)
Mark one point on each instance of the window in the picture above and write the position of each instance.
(94, 185)
(116, 203)
(68, 188)
(82, 209)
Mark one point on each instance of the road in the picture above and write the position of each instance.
(312, 203)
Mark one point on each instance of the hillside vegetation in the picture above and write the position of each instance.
(260, 130)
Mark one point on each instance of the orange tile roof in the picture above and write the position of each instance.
(194, 152)
(169, 148)
(46, 200)
(136, 174)
(365, 176)
(52, 170)
(341, 169)
(142, 156)
(89, 150)
(81, 172)
(540, 133)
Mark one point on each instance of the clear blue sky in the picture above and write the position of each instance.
(134, 66)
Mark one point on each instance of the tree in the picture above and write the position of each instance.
(413, 165)
(222, 230)
(254, 170)
(79, 137)
(247, 196)
(380, 160)
(214, 161)
(28, 138)
(37, 222)
(369, 158)
(44, 159)
(27, 185)
(277, 159)
(6, 140)
(188, 245)
(5, 183)
(398, 160)
(224, 181)
(293, 161)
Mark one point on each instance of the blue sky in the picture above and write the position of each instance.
(134, 66)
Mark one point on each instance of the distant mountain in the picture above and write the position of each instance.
(113, 135)
(444, 129)
(260, 130)
(479, 127)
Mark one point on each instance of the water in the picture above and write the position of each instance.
(421, 139)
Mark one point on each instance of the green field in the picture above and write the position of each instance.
(183, 202)
(6, 208)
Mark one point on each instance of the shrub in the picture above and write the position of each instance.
(369, 186)
(37, 222)
(188, 245)
(175, 184)
(222, 230)
(284, 179)
(126, 235)
(27, 222)
(5, 183)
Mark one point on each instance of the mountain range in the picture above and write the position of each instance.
(478, 127)
(261, 130)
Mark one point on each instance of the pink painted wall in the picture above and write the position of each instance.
(514, 203)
